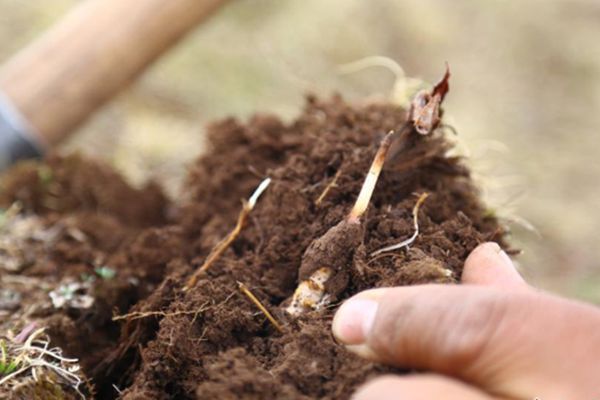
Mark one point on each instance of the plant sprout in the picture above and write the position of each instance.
(216, 252)
(105, 272)
(324, 270)
(330, 251)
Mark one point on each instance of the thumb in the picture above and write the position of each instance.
(513, 343)
(489, 265)
(418, 387)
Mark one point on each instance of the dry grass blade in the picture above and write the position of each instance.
(216, 252)
(244, 289)
(411, 239)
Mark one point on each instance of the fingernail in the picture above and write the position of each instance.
(506, 259)
(503, 256)
(354, 320)
(363, 351)
(487, 249)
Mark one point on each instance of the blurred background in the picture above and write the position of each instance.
(525, 99)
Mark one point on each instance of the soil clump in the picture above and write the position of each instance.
(210, 341)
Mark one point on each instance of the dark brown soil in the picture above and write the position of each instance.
(211, 341)
(76, 217)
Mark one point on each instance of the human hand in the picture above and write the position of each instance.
(494, 337)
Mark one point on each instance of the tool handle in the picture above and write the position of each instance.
(90, 55)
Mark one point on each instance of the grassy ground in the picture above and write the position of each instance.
(525, 94)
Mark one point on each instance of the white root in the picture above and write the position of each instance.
(410, 240)
(35, 356)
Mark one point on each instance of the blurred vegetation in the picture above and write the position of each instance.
(524, 99)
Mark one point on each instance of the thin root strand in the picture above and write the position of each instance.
(145, 314)
(32, 361)
(411, 239)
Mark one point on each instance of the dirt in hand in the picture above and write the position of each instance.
(211, 341)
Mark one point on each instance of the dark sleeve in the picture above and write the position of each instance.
(17, 141)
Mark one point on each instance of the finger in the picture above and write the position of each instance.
(505, 341)
(418, 387)
(489, 265)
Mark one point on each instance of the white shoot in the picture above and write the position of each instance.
(364, 197)
(259, 190)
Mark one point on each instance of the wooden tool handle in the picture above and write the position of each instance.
(95, 51)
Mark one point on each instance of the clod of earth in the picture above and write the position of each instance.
(145, 337)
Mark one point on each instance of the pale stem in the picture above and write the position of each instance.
(364, 197)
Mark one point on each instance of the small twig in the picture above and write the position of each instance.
(373, 61)
(331, 185)
(244, 289)
(216, 252)
(411, 239)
